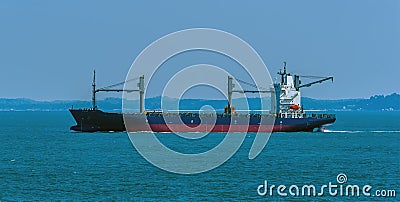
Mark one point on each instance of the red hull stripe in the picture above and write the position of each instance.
(219, 128)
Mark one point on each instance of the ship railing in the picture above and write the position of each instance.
(84, 109)
(304, 115)
(321, 116)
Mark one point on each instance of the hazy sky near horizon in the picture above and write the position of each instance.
(49, 48)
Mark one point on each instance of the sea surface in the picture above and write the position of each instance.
(40, 159)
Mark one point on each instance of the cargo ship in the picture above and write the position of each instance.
(286, 113)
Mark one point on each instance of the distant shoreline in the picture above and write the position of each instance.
(374, 103)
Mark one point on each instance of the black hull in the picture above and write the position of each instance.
(96, 120)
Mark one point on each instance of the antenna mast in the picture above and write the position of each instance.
(283, 74)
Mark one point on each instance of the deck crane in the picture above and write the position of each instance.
(111, 88)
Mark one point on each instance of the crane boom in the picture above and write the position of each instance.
(314, 82)
(115, 90)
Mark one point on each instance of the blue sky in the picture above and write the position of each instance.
(49, 48)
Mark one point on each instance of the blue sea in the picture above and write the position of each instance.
(40, 159)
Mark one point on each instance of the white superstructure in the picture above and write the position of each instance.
(290, 96)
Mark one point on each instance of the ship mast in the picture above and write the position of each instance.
(141, 93)
(230, 90)
(94, 106)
